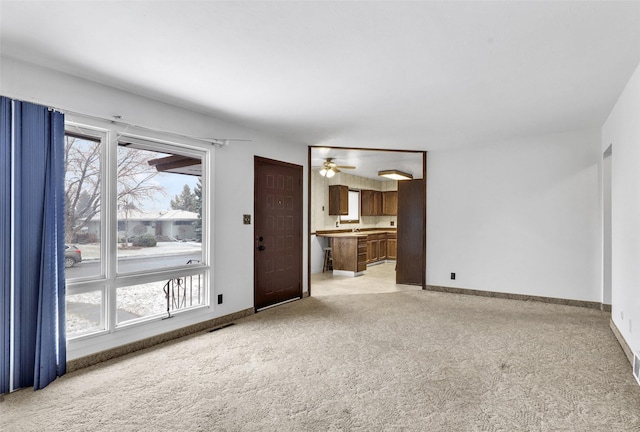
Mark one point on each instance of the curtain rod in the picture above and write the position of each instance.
(219, 142)
(117, 119)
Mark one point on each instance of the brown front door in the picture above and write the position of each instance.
(278, 232)
(411, 260)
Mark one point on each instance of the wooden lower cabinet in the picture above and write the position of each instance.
(382, 249)
(372, 249)
(349, 254)
(378, 247)
(392, 246)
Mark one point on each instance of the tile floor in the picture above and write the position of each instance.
(379, 278)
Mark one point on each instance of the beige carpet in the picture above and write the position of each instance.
(411, 361)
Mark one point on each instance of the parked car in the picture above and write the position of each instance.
(72, 255)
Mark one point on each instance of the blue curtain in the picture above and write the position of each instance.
(5, 243)
(38, 292)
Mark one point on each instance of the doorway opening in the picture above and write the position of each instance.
(364, 252)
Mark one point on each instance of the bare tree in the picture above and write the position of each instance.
(82, 184)
(83, 181)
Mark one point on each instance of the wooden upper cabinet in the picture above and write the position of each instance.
(390, 203)
(338, 200)
(370, 202)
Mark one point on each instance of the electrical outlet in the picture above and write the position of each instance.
(246, 219)
(453, 276)
(392, 223)
(337, 224)
(219, 298)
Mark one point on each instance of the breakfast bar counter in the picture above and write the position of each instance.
(349, 250)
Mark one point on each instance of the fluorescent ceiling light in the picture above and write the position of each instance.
(395, 175)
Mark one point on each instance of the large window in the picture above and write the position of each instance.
(134, 230)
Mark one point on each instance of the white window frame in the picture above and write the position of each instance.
(354, 208)
(108, 281)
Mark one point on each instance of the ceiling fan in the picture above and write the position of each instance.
(330, 168)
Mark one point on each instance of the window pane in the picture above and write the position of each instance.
(159, 209)
(354, 207)
(83, 184)
(155, 298)
(84, 313)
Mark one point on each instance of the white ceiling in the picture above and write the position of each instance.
(368, 162)
(419, 75)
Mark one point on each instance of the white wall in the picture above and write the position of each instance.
(622, 132)
(233, 172)
(517, 217)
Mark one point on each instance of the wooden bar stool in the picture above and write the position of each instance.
(328, 260)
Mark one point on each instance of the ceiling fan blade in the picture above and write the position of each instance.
(345, 166)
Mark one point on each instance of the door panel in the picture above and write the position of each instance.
(278, 232)
(411, 260)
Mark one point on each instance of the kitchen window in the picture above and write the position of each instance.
(354, 208)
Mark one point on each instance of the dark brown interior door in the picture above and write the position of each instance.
(278, 232)
(411, 259)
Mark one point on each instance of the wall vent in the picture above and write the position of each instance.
(636, 367)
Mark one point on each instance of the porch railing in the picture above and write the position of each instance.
(183, 292)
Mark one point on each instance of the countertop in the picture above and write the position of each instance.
(362, 233)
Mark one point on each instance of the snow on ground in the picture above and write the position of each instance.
(136, 301)
(92, 250)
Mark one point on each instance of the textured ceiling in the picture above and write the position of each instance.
(395, 75)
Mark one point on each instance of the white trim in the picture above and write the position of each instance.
(111, 133)
(347, 273)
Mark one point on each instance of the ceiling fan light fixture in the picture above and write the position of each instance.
(323, 172)
(330, 173)
(395, 175)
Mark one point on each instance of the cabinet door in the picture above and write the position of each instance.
(392, 248)
(370, 202)
(372, 249)
(382, 249)
(338, 200)
(366, 202)
(390, 203)
(377, 203)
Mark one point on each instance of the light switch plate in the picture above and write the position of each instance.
(246, 219)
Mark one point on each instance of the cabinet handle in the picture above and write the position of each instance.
(261, 248)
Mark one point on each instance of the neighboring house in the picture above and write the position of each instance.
(164, 224)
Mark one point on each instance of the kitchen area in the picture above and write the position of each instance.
(354, 211)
